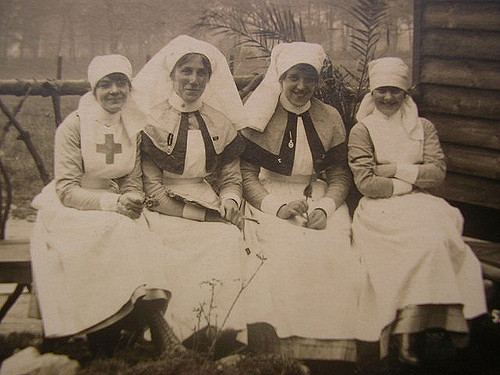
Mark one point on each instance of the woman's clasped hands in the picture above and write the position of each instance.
(130, 204)
(230, 211)
(314, 220)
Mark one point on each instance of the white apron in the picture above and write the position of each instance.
(90, 266)
(308, 288)
(202, 255)
(412, 244)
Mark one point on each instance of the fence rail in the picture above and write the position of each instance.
(49, 87)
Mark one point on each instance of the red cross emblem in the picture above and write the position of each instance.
(110, 148)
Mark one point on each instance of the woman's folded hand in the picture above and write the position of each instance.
(294, 208)
(386, 170)
(130, 204)
(230, 211)
(317, 219)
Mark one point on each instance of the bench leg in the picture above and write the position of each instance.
(11, 300)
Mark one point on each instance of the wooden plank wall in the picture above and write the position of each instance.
(457, 67)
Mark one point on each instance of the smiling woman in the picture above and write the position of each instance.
(193, 108)
(299, 83)
(424, 277)
(112, 91)
(94, 262)
(190, 76)
(295, 180)
(388, 99)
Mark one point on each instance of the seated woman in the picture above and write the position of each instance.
(193, 106)
(424, 276)
(93, 262)
(295, 179)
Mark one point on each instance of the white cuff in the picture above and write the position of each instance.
(232, 196)
(327, 205)
(109, 201)
(407, 172)
(400, 187)
(190, 211)
(271, 204)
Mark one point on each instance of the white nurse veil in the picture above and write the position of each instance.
(261, 104)
(153, 84)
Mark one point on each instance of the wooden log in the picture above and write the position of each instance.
(461, 43)
(469, 131)
(460, 15)
(43, 88)
(459, 101)
(469, 189)
(473, 161)
(18, 87)
(461, 72)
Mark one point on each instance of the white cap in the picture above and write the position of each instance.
(288, 55)
(389, 71)
(101, 66)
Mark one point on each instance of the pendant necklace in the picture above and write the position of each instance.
(290, 143)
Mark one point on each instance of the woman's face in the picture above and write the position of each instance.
(298, 84)
(190, 78)
(388, 99)
(112, 91)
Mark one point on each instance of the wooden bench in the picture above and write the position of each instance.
(15, 268)
(15, 265)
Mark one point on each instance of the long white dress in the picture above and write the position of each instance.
(422, 272)
(91, 265)
(309, 285)
(206, 259)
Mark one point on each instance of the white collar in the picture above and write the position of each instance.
(395, 119)
(292, 108)
(180, 105)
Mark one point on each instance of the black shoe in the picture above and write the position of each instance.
(104, 342)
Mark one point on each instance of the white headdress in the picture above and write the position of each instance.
(101, 66)
(261, 104)
(392, 71)
(89, 108)
(153, 84)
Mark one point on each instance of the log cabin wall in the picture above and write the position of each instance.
(456, 66)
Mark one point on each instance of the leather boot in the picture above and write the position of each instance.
(162, 334)
(104, 342)
(406, 354)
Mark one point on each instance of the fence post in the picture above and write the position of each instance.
(56, 99)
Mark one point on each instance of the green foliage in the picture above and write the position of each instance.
(335, 89)
(369, 16)
(260, 28)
